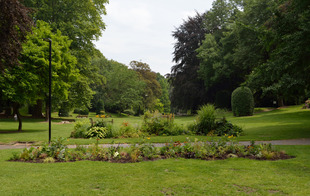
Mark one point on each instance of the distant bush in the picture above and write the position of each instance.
(157, 124)
(129, 112)
(84, 111)
(63, 112)
(76, 111)
(242, 102)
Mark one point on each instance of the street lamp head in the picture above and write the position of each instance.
(47, 39)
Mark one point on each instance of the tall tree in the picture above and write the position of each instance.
(285, 74)
(82, 22)
(152, 89)
(124, 89)
(29, 82)
(164, 98)
(15, 23)
(221, 75)
(188, 91)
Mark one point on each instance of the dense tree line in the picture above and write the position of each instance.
(263, 44)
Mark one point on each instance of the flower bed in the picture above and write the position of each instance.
(208, 150)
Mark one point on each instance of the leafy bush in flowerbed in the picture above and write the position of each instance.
(103, 129)
(208, 124)
(156, 123)
(220, 149)
(128, 131)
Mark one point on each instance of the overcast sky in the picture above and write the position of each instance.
(141, 30)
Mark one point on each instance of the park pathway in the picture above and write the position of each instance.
(305, 141)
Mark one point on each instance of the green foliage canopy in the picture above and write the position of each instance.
(29, 82)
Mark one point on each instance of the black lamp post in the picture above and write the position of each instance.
(50, 92)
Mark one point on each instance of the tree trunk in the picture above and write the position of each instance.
(16, 107)
(280, 102)
(37, 109)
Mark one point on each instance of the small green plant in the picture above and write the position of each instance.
(49, 160)
(149, 151)
(135, 154)
(227, 128)
(206, 119)
(80, 129)
(97, 132)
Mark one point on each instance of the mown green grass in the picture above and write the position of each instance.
(286, 123)
(164, 177)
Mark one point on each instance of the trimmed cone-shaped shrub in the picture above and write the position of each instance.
(242, 102)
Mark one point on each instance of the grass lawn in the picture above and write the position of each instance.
(286, 123)
(164, 177)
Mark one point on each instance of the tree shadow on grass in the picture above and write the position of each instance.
(14, 131)
(23, 120)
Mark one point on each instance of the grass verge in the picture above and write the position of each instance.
(163, 177)
(286, 123)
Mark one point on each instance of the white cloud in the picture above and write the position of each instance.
(142, 30)
(132, 16)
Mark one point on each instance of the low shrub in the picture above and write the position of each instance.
(55, 150)
(154, 123)
(227, 128)
(207, 123)
(128, 131)
(80, 128)
(206, 119)
(83, 129)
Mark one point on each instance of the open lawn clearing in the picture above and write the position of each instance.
(286, 123)
(163, 177)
